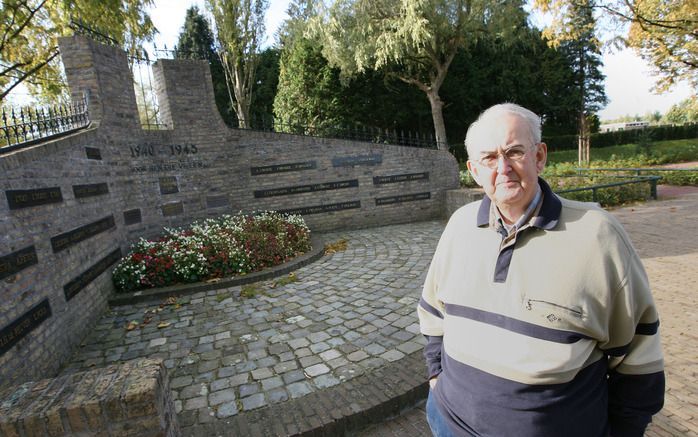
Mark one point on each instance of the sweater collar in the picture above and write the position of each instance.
(547, 217)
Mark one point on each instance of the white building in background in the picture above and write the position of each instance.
(630, 125)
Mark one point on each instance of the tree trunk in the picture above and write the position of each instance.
(438, 118)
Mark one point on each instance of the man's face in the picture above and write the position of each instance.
(513, 181)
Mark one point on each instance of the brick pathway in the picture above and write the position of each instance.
(665, 234)
(339, 348)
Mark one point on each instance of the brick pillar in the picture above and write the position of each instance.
(101, 71)
(185, 94)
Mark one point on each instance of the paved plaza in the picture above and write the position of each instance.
(342, 342)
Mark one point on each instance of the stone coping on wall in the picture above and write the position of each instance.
(316, 252)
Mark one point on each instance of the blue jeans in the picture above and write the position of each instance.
(436, 420)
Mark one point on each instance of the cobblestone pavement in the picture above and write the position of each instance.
(346, 314)
(665, 234)
(352, 313)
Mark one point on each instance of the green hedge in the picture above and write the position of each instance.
(607, 139)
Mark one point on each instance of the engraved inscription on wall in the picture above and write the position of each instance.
(173, 208)
(346, 161)
(90, 190)
(168, 185)
(16, 261)
(132, 216)
(283, 191)
(390, 179)
(83, 280)
(15, 331)
(93, 153)
(67, 239)
(280, 168)
(219, 201)
(17, 199)
(402, 198)
(318, 209)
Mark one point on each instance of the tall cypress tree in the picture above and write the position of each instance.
(196, 42)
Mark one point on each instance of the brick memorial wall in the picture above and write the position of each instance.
(71, 206)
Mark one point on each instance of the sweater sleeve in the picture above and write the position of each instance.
(636, 366)
(430, 313)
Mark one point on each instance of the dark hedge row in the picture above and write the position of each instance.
(607, 139)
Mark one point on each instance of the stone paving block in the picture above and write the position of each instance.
(293, 376)
(298, 343)
(330, 354)
(298, 389)
(392, 355)
(410, 347)
(285, 366)
(180, 381)
(239, 379)
(227, 409)
(357, 356)
(317, 369)
(195, 403)
(374, 349)
(303, 352)
(254, 401)
(325, 381)
(219, 384)
(157, 342)
(259, 374)
(194, 390)
(257, 354)
(310, 360)
(219, 397)
(316, 337)
(248, 389)
(319, 347)
(272, 383)
(277, 395)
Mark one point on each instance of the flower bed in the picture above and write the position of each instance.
(213, 248)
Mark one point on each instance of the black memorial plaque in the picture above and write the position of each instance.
(132, 216)
(90, 190)
(70, 238)
(168, 185)
(15, 331)
(93, 153)
(347, 161)
(217, 201)
(83, 280)
(281, 168)
(391, 179)
(17, 199)
(318, 209)
(284, 191)
(170, 209)
(16, 261)
(402, 198)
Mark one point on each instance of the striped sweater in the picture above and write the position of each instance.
(551, 333)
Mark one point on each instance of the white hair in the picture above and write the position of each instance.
(495, 112)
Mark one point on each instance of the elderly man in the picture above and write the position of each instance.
(537, 311)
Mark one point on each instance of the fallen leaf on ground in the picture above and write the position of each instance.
(163, 325)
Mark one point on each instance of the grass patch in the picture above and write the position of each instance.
(657, 153)
(288, 279)
(249, 291)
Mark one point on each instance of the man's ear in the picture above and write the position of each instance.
(541, 157)
(472, 168)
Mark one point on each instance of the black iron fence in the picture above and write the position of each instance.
(22, 127)
(355, 132)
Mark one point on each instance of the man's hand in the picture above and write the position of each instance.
(432, 383)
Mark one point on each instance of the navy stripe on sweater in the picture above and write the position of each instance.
(514, 325)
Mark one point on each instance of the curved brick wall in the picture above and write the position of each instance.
(71, 206)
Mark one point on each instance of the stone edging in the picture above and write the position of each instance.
(316, 252)
(341, 410)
